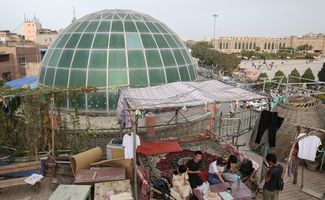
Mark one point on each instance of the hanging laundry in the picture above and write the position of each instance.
(122, 114)
(293, 163)
(271, 122)
(308, 146)
(128, 145)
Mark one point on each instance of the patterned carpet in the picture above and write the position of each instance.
(164, 164)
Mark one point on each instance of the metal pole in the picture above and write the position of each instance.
(52, 123)
(214, 29)
(135, 178)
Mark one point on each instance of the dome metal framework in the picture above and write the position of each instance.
(113, 48)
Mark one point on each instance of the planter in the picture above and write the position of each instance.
(312, 165)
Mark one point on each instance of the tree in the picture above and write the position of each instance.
(261, 80)
(321, 73)
(257, 49)
(208, 56)
(294, 76)
(308, 76)
(304, 47)
(278, 76)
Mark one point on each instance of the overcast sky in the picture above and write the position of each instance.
(191, 19)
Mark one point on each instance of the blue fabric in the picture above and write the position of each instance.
(18, 83)
(213, 179)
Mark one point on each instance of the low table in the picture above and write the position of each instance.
(240, 193)
(72, 192)
(96, 175)
(101, 189)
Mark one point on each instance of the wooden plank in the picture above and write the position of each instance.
(17, 165)
(12, 182)
(20, 169)
(71, 192)
(91, 176)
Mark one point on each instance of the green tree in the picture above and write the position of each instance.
(257, 48)
(321, 73)
(304, 47)
(308, 76)
(261, 80)
(278, 76)
(208, 56)
(294, 76)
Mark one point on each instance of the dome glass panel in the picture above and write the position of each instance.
(113, 48)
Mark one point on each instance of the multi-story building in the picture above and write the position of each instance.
(19, 61)
(237, 44)
(34, 32)
(8, 38)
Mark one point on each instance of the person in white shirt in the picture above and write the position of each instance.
(128, 145)
(215, 171)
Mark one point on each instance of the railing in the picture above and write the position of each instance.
(228, 128)
(184, 129)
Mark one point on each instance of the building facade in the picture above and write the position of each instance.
(34, 32)
(9, 38)
(19, 61)
(237, 44)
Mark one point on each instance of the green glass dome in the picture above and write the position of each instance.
(113, 48)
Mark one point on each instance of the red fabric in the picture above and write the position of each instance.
(149, 149)
(204, 175)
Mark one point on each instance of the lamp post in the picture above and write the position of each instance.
(214, 29)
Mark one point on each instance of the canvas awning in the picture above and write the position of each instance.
(180, 94)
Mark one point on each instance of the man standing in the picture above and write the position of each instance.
(273, 182)
(194, 166)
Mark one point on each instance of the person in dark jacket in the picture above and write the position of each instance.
(272, 178)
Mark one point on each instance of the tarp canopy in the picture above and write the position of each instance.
(180, 94)
(18, 83)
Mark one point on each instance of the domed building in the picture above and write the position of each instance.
(113, 48)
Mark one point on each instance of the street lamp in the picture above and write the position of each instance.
(214, 29)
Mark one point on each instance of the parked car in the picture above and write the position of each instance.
(257, 103)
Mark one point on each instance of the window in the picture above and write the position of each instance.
(6, 76)
(21, 61)
(235, 45)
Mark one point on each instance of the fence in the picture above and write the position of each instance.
(83, 138)
(227, 128)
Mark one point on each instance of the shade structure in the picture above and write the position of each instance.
(112, 48)
(180, 94)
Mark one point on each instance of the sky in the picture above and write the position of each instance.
(190, 19)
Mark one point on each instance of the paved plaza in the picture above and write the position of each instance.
(285, 66)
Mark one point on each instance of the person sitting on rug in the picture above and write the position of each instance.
(181, 187)
(215, 171)
(194, 169)
(231, 170)
(232, 164)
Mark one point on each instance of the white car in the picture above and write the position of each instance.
(257, 103)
